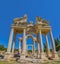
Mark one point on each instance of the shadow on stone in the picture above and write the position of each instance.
(50, 58)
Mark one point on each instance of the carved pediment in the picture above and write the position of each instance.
(41, 21)
(30, 30)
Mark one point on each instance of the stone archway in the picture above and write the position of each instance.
(31, 44)
(21, 26)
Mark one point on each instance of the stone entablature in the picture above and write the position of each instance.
(21, 23)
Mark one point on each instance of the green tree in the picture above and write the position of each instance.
(57, 43)
(2, 48)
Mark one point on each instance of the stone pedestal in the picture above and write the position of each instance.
(55, 55)
(8, 56)
(38, 55)
(48, 54)
(22, 56)
(43, 56)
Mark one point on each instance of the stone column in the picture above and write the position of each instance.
(27, 50)
(40, 35)
(10, 41)
(19, 46)
(53, 44)
(24, 44)
(13, 44)
(38, 50)
(42, 55)
(47, 45)
(39, 46)
(34, 47)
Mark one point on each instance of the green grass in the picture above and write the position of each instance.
(10, 62)
(59, 55)
(4, 63)
(13, 62)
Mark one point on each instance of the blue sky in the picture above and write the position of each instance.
(10, 9)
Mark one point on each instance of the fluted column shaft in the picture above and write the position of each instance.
(53, 44)
(34, 48)
(39, 46)
(38, 49)
(13, 44)
(42, 55)
(52, 40)
(41, 43)
(10, 41)
(19, 46)
(47, 45)
(24, 42)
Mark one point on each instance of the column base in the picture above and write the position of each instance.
(55, 56)
(43, 56)
(48, 54)
(22, 56)
(38, 55)
(8, 56)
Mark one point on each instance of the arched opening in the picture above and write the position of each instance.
(30, 45)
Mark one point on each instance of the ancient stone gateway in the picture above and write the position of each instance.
(28, 29)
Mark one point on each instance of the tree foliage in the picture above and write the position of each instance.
(57, 43)
(2, 48)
